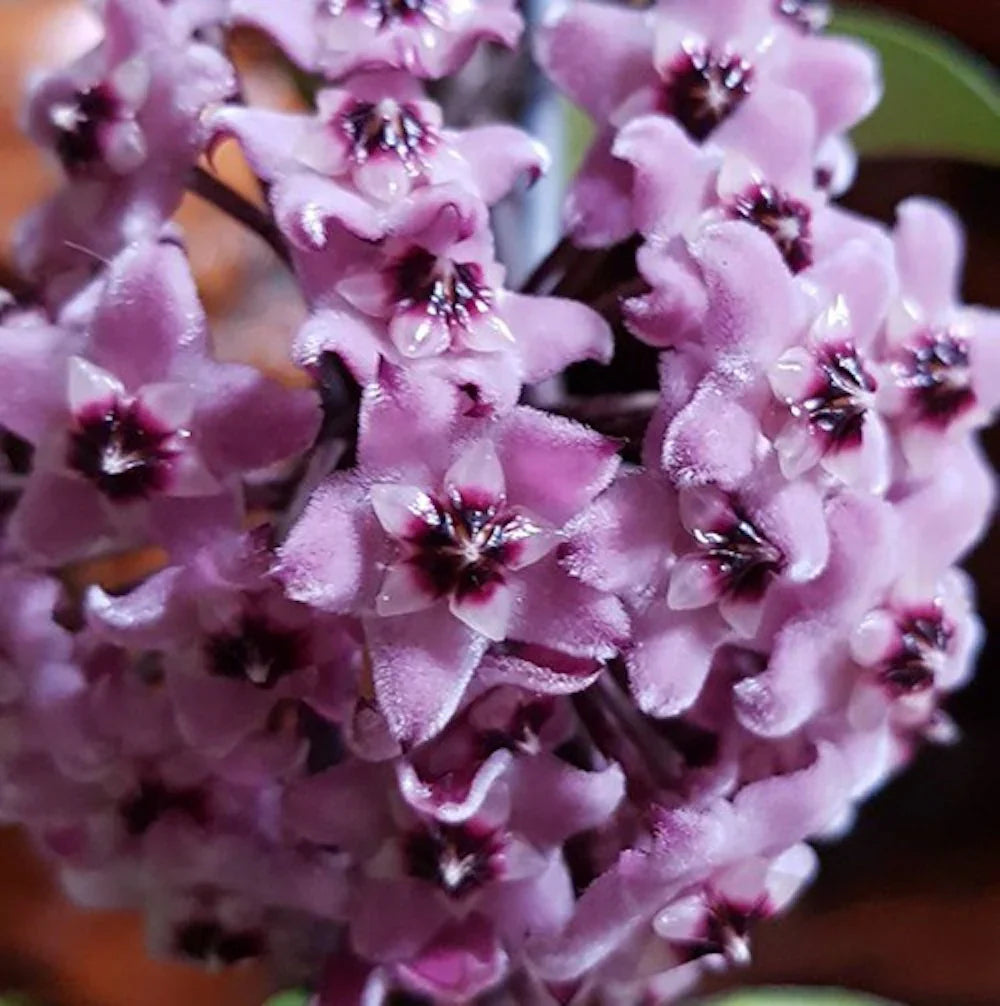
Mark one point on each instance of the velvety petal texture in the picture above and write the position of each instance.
(419, 636)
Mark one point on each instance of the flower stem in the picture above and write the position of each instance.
(213, 190)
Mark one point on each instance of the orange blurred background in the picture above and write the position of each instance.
(908, 906)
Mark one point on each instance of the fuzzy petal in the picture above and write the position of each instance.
(550, 333)
(421, 664)
(554, 466)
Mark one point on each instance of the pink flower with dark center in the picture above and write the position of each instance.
(427, 38)
(139, 438)
(732, 557)
(457, 859)
(839, 398)
(829, 385)
(725, 70)
(701, 88)
(257, 650)
(924, 639)
(123, 447)
(125, 122)
(920, 641)
(742, 545)
(785, 219)
(417, 283)
(205, 941)
(451, 296)
(718, 921)
(387, 128)
(934, 370)
(379, 134)
(462, 544)
(96, 127)
(154, 799)
(941, 375)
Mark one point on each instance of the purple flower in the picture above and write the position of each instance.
(724, 72)
(417, 284)
(393, 675)
(124, 122)
(940, 376)
(427, 38)
(378, 134)
(467, 551)
(236, 656)
(147, 439)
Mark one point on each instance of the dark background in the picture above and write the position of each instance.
(908, 906)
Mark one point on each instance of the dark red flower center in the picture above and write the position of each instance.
(937, 373)
(456, 858)
(924, 639)
(702, 89)
(258, 652)
(154, 799)
(386, 127)
(784, 219)
(124, 450)
(522, 731)
(744, 560)
(468, 547)
(454, 291)
(387, 12)
(208, 942)
(841, 400)
(78, 125)
(810, 15)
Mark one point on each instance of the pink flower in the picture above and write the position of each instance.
(940, 377)
(724, 72)
(235, 654)
(148, 438)
(417, 284)
(124, 122)
(468, 551)
(429, 38)
(378, 134)
(830, 385)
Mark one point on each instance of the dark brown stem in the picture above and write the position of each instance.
(661, 759)
(609, 303)
(624, 416)
(213, 190)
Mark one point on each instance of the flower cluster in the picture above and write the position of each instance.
(405, 669)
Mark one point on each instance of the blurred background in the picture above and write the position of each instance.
(908, 906)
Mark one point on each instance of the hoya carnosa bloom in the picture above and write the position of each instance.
(830, 384)
(437, 693)
(148, 438)
(451, 547)
(379, 134)
(426, 38)
(417, 284)
(722, 71)
(238, 659)
(940, 372)
(124, 122)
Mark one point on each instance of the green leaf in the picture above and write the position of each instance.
(293, 998)
(941, 99)
(796, 997)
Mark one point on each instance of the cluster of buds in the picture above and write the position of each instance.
(421, 672)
